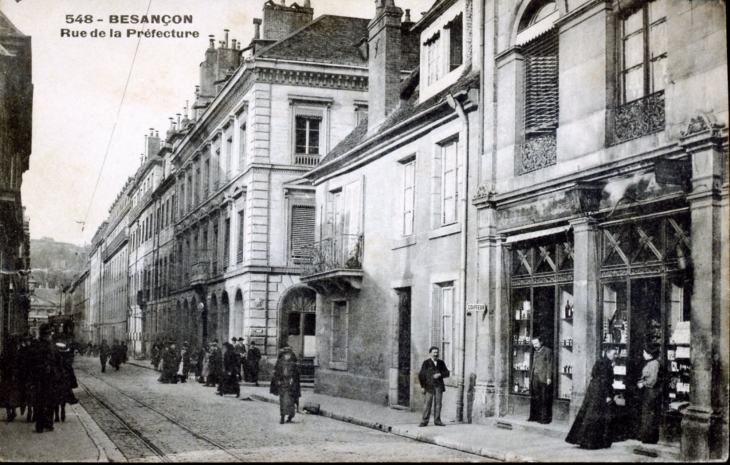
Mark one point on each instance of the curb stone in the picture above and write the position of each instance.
(108, 452)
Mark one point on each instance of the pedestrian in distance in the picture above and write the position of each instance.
(215, 360)
(125, 352)
(103, 355)
(242, 358)
(170, 364)
(44, 374)
(651, 395)
(229, 382)
(24, 377)
(592, 427)
(240, 349)
(541, 380)
(285, 384)
(156, 355)
(66, 381)
(431, 378)
(10, 377)
(116, 355)
(184, 363)
(253, 357)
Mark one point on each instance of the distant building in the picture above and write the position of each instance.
(16, 107)
(44, 303)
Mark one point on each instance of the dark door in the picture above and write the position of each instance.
(404, 347)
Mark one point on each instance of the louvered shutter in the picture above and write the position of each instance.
(541, 83)
(302, 232)
(239, 244)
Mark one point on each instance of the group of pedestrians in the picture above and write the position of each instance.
(213, 366)
(115, 355)
(37, 376)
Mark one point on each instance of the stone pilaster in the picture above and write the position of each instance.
(586, 335)
(704, 423)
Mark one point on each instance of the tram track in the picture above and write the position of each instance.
(141, 436)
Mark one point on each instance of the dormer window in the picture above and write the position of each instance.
(433, 47)
(456, 42)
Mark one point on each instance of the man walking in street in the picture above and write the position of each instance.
(431, 377)
(103, 355)
(252, 363)
(541, 379)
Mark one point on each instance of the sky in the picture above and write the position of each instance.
(87, 138)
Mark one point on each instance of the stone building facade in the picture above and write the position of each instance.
(16, 107)
(601, 206)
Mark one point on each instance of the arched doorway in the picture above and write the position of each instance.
(184, 325)
(298, 326)
(212, 317)
(237, 330)
(223, 317)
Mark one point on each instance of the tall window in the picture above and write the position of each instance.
(206, 173)
(442, 327)
(339, 334)
(241, 147)
(433, 47)
(302, 232)
(409, 199)
(449, 183)
(456, 42)
(307, 135)
(239, 244)
(227, 244)
(644, 51)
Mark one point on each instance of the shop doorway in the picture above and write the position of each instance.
(299, 327)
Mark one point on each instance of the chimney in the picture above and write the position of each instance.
(384, 56)
(408, 16)
(153, 144)
(225, 37)
(281, 20)
(233, 44)
(256, 28)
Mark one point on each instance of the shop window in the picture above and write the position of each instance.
(645, 301)
(542, 304)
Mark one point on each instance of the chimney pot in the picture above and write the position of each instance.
(212, 41)
(257, 28)
(233, 44)
(408, 15)
(226, 36)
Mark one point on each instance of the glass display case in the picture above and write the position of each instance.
(565, 342)
(521, 341)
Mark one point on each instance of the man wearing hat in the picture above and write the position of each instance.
(215, 361)
(103, 355)
(44, 369)
(240, 349)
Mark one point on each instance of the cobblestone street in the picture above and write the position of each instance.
(149, 421)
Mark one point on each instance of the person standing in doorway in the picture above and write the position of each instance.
(541, 383)
(431, 377)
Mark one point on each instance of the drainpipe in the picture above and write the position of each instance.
(458, 106)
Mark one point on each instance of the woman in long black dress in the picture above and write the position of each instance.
(285, 383)
(651, 396)
(229, 383)
(592, 426)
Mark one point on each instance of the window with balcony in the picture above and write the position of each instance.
(538, 38)
(307, 131)
(642, 62)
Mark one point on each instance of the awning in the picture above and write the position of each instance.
(536, 234)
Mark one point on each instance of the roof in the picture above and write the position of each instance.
(7, 28)
(407, 109)
(327, 39)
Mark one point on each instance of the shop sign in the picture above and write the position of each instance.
(545, 208)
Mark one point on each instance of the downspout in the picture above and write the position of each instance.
(458, 106)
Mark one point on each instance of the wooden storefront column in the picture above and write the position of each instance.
(586, 335)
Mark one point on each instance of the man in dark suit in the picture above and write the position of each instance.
(432, 374)
(541, 380)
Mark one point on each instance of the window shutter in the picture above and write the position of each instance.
(302, 232)
(436, 314)
(239, 244)
(541, 83)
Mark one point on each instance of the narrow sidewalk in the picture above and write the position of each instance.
(75, 440)
(522, 443)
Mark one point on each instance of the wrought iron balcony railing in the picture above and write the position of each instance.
(342, 252)
(639, 118)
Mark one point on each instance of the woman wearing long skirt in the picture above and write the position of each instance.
(285, 383)
(592, 426)
(651, 397)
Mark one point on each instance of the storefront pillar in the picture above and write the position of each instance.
(704, 423)
(585, 319)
